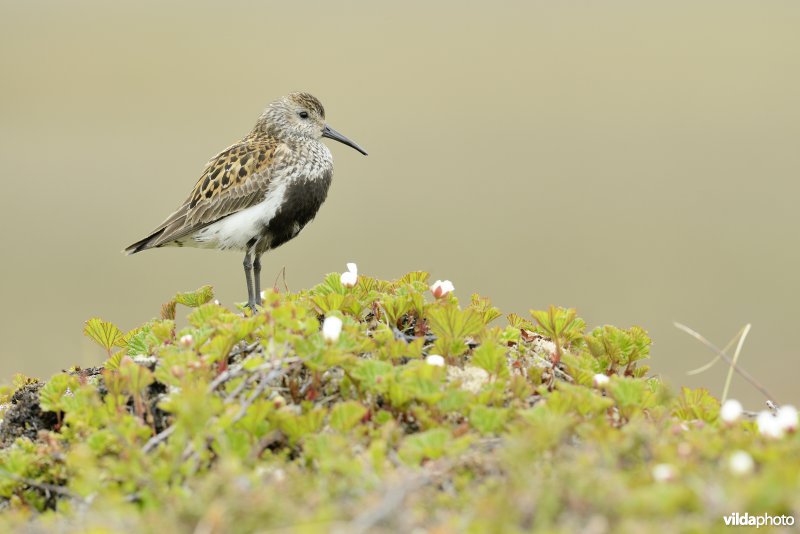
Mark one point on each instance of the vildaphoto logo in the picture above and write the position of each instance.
(748, 520)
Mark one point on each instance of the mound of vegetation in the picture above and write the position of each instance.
(378, 406)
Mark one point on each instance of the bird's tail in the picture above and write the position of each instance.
(144, 244)
(171, 229)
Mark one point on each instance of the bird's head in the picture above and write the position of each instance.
(299, 115)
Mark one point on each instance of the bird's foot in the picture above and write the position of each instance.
(253, 307)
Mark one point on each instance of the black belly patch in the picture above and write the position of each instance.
(301, 203)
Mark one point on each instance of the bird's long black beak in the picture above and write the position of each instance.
(330, 133)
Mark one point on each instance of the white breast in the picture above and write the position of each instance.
(234, 231)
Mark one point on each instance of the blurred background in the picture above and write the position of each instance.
(636, 160)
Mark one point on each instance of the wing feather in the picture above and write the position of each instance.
(235, 179)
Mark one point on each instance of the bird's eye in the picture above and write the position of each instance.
(303, 114)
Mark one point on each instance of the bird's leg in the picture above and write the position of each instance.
(257, 278)
(248, 275)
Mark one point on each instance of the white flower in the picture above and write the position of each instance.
(187, 340)
(741, 463)
(263, 295)
(730, 411)
(441, 289)
(768, 425)
(331, 328)
(600, 380)
(663, 473)
(350, 277)
(787, 418)
(435, 359)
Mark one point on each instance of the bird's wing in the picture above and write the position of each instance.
(235, 179)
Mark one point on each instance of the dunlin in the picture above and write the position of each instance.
(259, 193)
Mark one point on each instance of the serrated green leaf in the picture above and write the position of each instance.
(136, 376)
(483, 306)
(346, 415)
(371, 372)
(414, 276)
(123, 342)
(105, 334)
(52, 393)
(488, 420)
(112, 363)
(197, 298)
(450, 322)
(491, 357)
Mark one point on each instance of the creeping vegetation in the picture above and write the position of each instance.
(409, 411)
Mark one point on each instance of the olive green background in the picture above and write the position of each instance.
(635, 160)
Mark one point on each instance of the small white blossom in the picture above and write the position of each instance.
(350, 277)
(730, 411)
(187, 340)
(216, 301)
(435, 359)
(663, 473)
(263, 295)
(331, 328)
(441, 289)
(600, 380)
(787, 418)
(768, 425)
(741, 463)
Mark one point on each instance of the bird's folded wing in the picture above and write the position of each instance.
(235, 179)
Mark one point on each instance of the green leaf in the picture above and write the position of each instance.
(615, 348)
(697, 404)
(450, 322)
(123, 342)
(137, 376)
(137, 344)
(396, 307)
(52, 393)
(332, 284)
(454, 400)
(219, 347)
(195, 299)
(516, 321)
(112, 363)
(488, 420)
(483, 306)
(206, 314)
(328, 302)
(414, 276)
(346, 415)
(297, 426)
(428, 445)
(491, 357)
(568, 399)
(560, 323)
(371, 373)
(105, 334)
